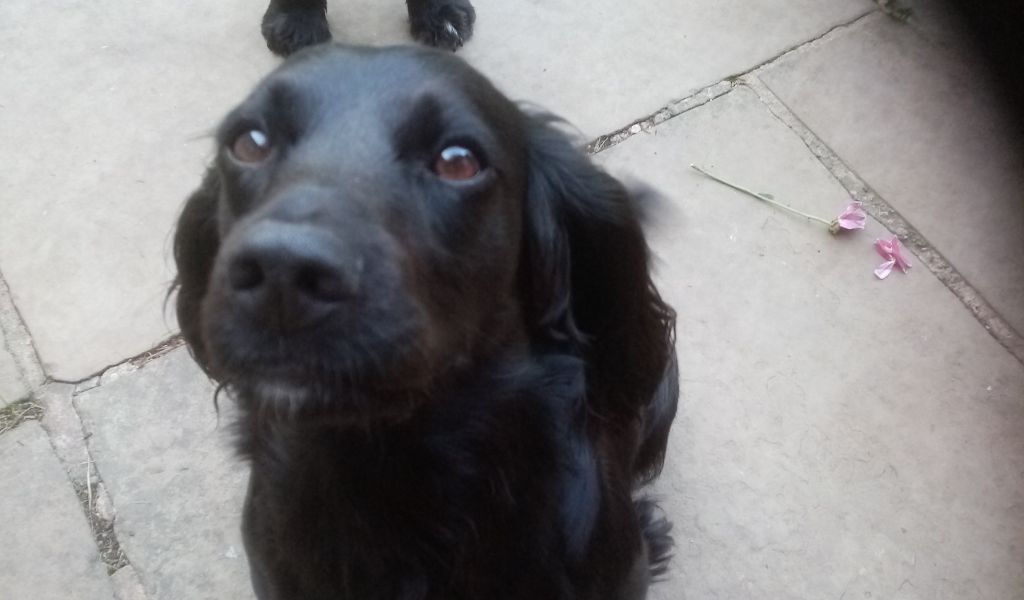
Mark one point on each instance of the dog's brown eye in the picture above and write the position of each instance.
(251, 147)
(456, 163)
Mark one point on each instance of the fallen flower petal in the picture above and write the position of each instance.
(890, 250)
(884, 247)
(852, 217)
(883, 270)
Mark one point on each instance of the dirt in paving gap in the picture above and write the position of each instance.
(113, 557)
(17, 413)
(102, 529)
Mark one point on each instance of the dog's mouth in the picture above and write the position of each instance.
(284, 399)
(350, 388)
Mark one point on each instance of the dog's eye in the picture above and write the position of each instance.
(251, 147)
(456, 163)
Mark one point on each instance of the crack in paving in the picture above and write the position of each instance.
(18, 341)
(129, 364)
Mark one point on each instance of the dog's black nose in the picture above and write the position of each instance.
(288, 276)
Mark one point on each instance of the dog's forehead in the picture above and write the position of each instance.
(334, 93)
(336, 75)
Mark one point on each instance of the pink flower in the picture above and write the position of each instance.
(890, 251)
(852, 217)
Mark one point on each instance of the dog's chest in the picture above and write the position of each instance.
(433, 510)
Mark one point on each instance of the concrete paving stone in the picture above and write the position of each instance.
(909, 109)
(107, 129)
(106, 113)
(48, 552)
(838, 436)
(176, 485)
(12, 384)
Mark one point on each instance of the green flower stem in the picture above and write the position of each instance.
(759, 196)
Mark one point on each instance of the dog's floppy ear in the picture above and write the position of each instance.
(196, 241)
(588, 273)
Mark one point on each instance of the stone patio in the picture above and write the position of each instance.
(839, 436)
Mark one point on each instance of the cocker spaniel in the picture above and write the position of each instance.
(436, 316)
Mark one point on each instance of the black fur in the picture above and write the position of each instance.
(448, 389)
(290, 25)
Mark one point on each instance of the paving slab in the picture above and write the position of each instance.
(106, 130)
(909, 108)
(48, 552)
(106, 113)
(176, 486)
(838, 436)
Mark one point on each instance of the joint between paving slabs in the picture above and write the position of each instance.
(883, 212)
(670, 111)
(805, 45)
(69, 440)
(54, 408)
(125, 366)
(16, 413)
(707, 94)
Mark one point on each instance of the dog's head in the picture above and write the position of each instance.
(376, 221)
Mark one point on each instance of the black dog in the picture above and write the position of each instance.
(290, 25)
(437, 318)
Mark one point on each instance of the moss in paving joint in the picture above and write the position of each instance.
(17, 413)
(896, 9)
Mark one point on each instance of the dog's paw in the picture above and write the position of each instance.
(445, 24)
(287, 31)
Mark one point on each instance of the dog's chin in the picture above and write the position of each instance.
(290, 396)
(279, 385)
(309, 399)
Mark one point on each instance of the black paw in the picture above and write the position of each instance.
(289, 30)
(445, 24)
